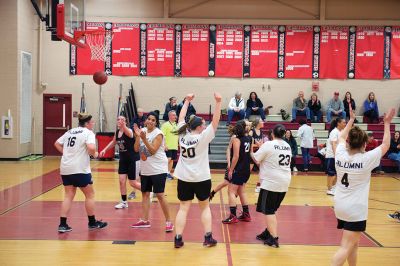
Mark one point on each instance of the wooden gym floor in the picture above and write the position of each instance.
(31, 195)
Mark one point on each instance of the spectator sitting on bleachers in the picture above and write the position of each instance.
(346, 101)
(371, 111)
(236, 108)
(315, 108)
(169, 106)
(394, 150)
(306, 135)
(300, 107)
(190, 111)
(335, 107)
(254, 106)
(293, 145)
(372, 144)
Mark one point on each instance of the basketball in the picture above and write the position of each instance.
(100, 77)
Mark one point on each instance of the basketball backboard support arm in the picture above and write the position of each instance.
(61, 28)
(39, 13)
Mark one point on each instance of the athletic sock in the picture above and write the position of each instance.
(208, 234)
(233, 210)
(245, 209)
(92, 220)
(178, 236)
(123, 197)
(63, 220)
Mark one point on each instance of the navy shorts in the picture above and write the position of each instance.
(240, 178)
(187, 190)
(226, 175)
(359, 226)
(269, 201)
(173, 154)
(155, 183)
(330, 166)
(128, 167)
(77, 180)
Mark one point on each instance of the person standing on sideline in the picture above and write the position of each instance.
(236, 108)
(274, 158)
(293, 145)
(153, 169)
(128, 159)
(337, 125)
(140, 119)
(171, 141)
(335, 107)
(306, 135)
(193, 169)
(169, 106)
(300, 107)
(76, 147)
(354, 167)
(315, 108)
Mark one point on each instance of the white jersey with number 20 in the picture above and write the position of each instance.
(353, 181)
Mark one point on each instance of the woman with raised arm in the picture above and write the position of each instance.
(354, 166)
(193, 169)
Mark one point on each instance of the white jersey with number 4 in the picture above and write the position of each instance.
(353, 181)
(193, 164)
(75, 158)
(274, 158)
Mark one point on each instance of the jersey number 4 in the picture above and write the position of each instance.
(190, 152)
(71, 141)
(284, 159)
(345, 180)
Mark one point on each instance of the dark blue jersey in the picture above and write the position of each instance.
(242, 167)
(125, 145)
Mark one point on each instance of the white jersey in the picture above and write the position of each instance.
(75, 158)
(354, 176)
(193, 164)
(306, 135)
(333, 136)
(153, 164)
(274, 158)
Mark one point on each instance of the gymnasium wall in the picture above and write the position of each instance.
(152, 93)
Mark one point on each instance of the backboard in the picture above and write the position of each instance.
(71, 19)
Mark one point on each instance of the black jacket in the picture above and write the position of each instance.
(314, 107)
(393, 146)
(168, 108)
(257, 103)
(190, 110)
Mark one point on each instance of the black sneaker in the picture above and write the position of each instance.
(395, 215)
(178, 242)
(209, 241)
(97, 225)
(64, 228)
(212, 194)
(272, 242)
(264, 235)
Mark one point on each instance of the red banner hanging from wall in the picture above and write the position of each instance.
(369, 52)
(195, 42)
(125, 49)
(395, 54)
(229, 51)
(264, 51)
(334, 52)
(83, 62)
(160, 49)
(298, 52)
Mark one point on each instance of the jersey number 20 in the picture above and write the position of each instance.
(190, 152)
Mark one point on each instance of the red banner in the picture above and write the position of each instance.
(298, 52)
(334, 52)
(160, 49)
(195, 50)
(369, 52)
(229, 50)
(125, 49)
(395, 54)
(264, 51)
(85, 65)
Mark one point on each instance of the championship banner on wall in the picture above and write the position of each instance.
(195, 50)
(395, 53)
(229, 51)
(178, 51)
(125, 49)
(211, 50)
(298, 52)
(160, 50)
(369, 52)
(316, 51)
(334, 52)
(81, 61)
(143, 50)
(263, 51)
(386, 53)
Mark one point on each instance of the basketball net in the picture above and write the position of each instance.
(99, 43)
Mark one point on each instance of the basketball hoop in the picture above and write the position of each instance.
(99, 42)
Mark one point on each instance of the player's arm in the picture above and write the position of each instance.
(228, 151)
(154, 145)
(109, 145)
(137, 137)
(59, 147)
(387, 119)
(235, 158)
(127, 131)
(345, 132)
(217, 111)
(252, 153)
(185, 106)
(91, 149)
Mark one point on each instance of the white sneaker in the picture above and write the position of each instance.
(295, 169)
(132, 195)
(122, 205)
(330, 192)
(257, 190)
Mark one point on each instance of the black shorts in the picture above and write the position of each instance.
(129, 167)
(240, 178)
(155, 183)
(173, 154)
(359, 226)
(77, 180)
(330, 166)
(269, 201)
(187, 190)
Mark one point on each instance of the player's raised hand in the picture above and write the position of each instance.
(190, 97)
(217, 97)
(352, 114)
(142, 135)
(387, 118)
(136, 130)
